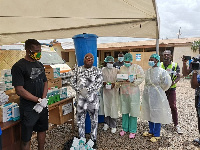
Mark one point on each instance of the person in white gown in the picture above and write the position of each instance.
(110, 94)
(130, 95)
(155, 107)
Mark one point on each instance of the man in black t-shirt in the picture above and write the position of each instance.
(30, 82)
(120, 61)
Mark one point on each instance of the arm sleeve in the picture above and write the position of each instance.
(73, 80)
(97, 83)
(17, 76)
(165, 81)
(177, 69)
(140, 76)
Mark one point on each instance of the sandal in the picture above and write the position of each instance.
(147, 134)
(122, 133)
(154, 139)
(131, 135)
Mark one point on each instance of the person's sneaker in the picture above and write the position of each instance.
(122, 133)
(131, 135)
(113, 130)
(105, 127)
(95, 145)
(178, 130)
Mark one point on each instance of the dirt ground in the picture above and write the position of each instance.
(170, 140)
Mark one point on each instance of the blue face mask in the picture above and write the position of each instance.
(127, 64)
(121, 59)
(151, 63)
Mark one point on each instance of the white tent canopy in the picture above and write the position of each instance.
(46, 19)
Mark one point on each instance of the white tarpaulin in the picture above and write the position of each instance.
(47, 19)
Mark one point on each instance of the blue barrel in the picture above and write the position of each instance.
(85, 43)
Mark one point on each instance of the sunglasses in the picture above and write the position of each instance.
(89, 58)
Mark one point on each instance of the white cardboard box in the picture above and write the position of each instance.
(108, 86)
(122, 77)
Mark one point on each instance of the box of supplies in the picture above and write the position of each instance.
(13, 97)
(52, 72)
(108, 86)
(121, 77)
(55, 82)
(6, 72)
(62, 112)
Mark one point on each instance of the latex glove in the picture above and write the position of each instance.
(43, 102)
(84, 92)
(38, 108)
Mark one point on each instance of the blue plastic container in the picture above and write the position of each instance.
(85, 43)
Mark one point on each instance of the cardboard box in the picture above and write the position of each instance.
(55, 82)
(5, 112)
(13, 97)
(6, 72)
(62, 112)
(52, 72)
(121, 77)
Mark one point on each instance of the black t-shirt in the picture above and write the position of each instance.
(31, 76)
(118, 64)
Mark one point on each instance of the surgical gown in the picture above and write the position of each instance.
(110, 96)
(155, 106)
(130, 92)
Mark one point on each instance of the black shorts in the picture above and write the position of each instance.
(32, 121)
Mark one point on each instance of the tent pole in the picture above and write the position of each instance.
(157, 46)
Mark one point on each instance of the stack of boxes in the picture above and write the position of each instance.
(6, 80)
(53, 76)
(3, 97)
(55, 91)
(9, 112)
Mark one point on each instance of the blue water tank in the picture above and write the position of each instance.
(85, 43)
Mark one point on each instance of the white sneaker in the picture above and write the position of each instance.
(113, 130)
(105, 127)
(178, 130)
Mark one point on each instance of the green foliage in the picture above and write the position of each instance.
(195, 46)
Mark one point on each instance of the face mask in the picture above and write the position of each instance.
(151, 63)
(35, 56)
(121, 59)
(127, 64)
(109, 65)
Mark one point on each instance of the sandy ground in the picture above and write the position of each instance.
(170, 140)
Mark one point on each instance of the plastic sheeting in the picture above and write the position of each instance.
(46, 19)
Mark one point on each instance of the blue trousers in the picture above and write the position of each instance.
(88, 122)
(154, 128)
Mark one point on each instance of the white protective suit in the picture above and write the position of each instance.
(110, 96)
(130, 92)
(155, 106)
